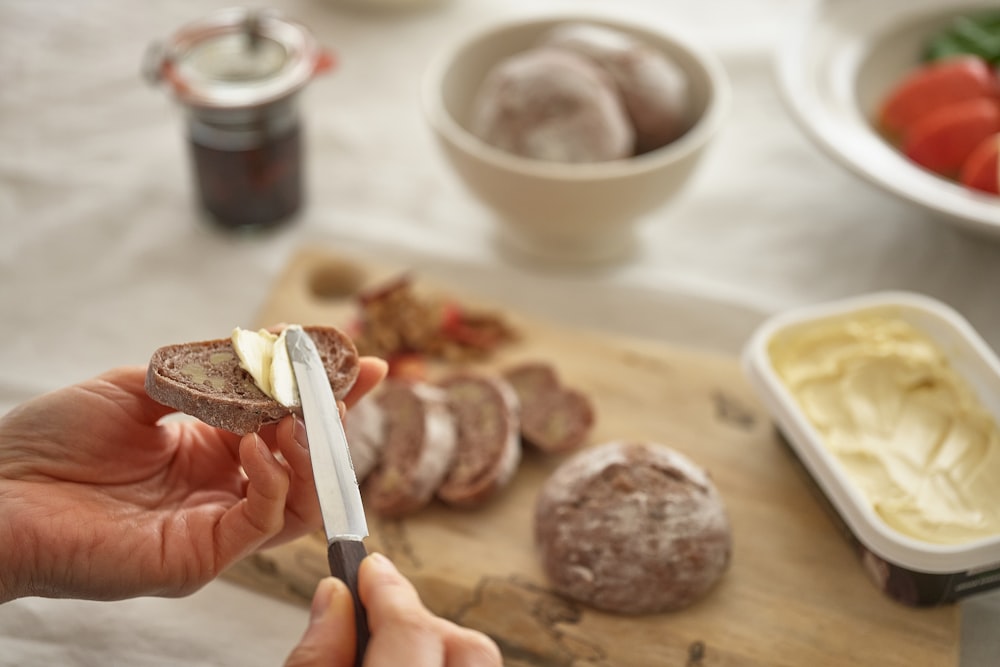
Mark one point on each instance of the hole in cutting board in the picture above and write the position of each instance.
(335, 282)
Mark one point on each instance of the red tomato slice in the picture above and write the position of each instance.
(934, 86)
(451, 317)
(981, 170)
(943, 139)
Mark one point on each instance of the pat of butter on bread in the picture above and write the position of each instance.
(264, 356)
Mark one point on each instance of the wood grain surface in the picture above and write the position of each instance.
(794, 596)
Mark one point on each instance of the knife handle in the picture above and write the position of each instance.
(345, 556)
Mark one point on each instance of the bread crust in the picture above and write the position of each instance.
(204, 379)
(632, 528)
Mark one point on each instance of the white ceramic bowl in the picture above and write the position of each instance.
(840, 61)
(912, 570)
(566, 211)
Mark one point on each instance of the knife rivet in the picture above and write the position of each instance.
(696, 651)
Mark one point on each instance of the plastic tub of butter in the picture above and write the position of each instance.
(891, 402)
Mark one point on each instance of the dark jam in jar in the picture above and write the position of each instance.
(248, 176)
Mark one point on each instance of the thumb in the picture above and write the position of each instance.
(329, 640)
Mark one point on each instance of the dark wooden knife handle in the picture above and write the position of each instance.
(345, 556)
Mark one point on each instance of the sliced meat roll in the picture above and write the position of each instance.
(364, 426)
(419, 443)
(489, 447)
(554, 418)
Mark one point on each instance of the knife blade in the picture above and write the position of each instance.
(336, 484)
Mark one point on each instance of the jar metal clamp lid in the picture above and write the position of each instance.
(236, 58)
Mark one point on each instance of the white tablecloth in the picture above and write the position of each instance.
(103, 256)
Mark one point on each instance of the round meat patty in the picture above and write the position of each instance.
(632, 528)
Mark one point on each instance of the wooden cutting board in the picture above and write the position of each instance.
(795, 594)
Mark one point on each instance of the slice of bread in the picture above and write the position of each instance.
(554, 418)
(488, 452)
(364, 426)
(419, 444)
(205, 380)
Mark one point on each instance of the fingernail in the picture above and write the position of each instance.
(382, 562)
(299, 432)
(378, 362)
(322, 598)
(263, 449)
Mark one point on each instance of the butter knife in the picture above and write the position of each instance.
(336, 483)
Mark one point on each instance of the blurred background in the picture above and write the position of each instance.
(104, 254)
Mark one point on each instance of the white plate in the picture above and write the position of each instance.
(840, 61)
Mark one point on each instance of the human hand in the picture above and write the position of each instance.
(403, 631)
(99, 500)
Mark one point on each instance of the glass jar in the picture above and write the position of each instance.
(237, 72)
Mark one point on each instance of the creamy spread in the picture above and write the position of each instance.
(907, 428)
(264, 356)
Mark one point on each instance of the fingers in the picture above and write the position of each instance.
(290, 438)
(132, 380)
(302, 512)
(329, 638)
(468, 648)
(373, 370)
(261, 514)
(402, 629)
(404, 632)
